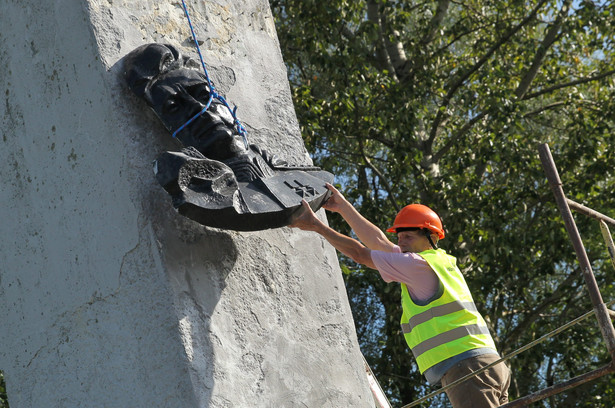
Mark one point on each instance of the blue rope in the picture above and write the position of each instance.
(212, 91)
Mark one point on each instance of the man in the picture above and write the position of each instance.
(445, 332)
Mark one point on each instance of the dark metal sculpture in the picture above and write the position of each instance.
(216, 179)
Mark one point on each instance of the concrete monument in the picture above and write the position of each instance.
(109, 297)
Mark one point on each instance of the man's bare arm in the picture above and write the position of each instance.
(368, 233)
(346, 245)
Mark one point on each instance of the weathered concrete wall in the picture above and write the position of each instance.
(108, 297)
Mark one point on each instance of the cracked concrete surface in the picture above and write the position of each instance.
(109, 297)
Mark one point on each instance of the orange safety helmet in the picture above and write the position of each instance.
(418, 216)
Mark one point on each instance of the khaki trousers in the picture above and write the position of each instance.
(486, 390)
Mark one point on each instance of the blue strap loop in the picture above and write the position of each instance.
(212, 91)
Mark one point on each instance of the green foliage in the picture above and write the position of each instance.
(4, 402)
(445, 103)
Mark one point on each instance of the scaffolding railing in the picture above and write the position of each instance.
(604, 320)
(601, 310)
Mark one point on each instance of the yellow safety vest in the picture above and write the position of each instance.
(447, 326)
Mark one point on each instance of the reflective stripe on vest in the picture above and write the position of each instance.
(447, 337)
(448, 325)
(437, 311)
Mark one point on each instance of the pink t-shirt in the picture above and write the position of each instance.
(409, 268)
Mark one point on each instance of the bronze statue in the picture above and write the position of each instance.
(217, 179)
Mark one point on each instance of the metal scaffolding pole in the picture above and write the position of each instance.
(602, 313)
(561, 387)
(589, 212)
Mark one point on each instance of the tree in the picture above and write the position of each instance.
(444, 103)
(4, 403)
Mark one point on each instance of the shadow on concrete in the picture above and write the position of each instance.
(196, 259)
